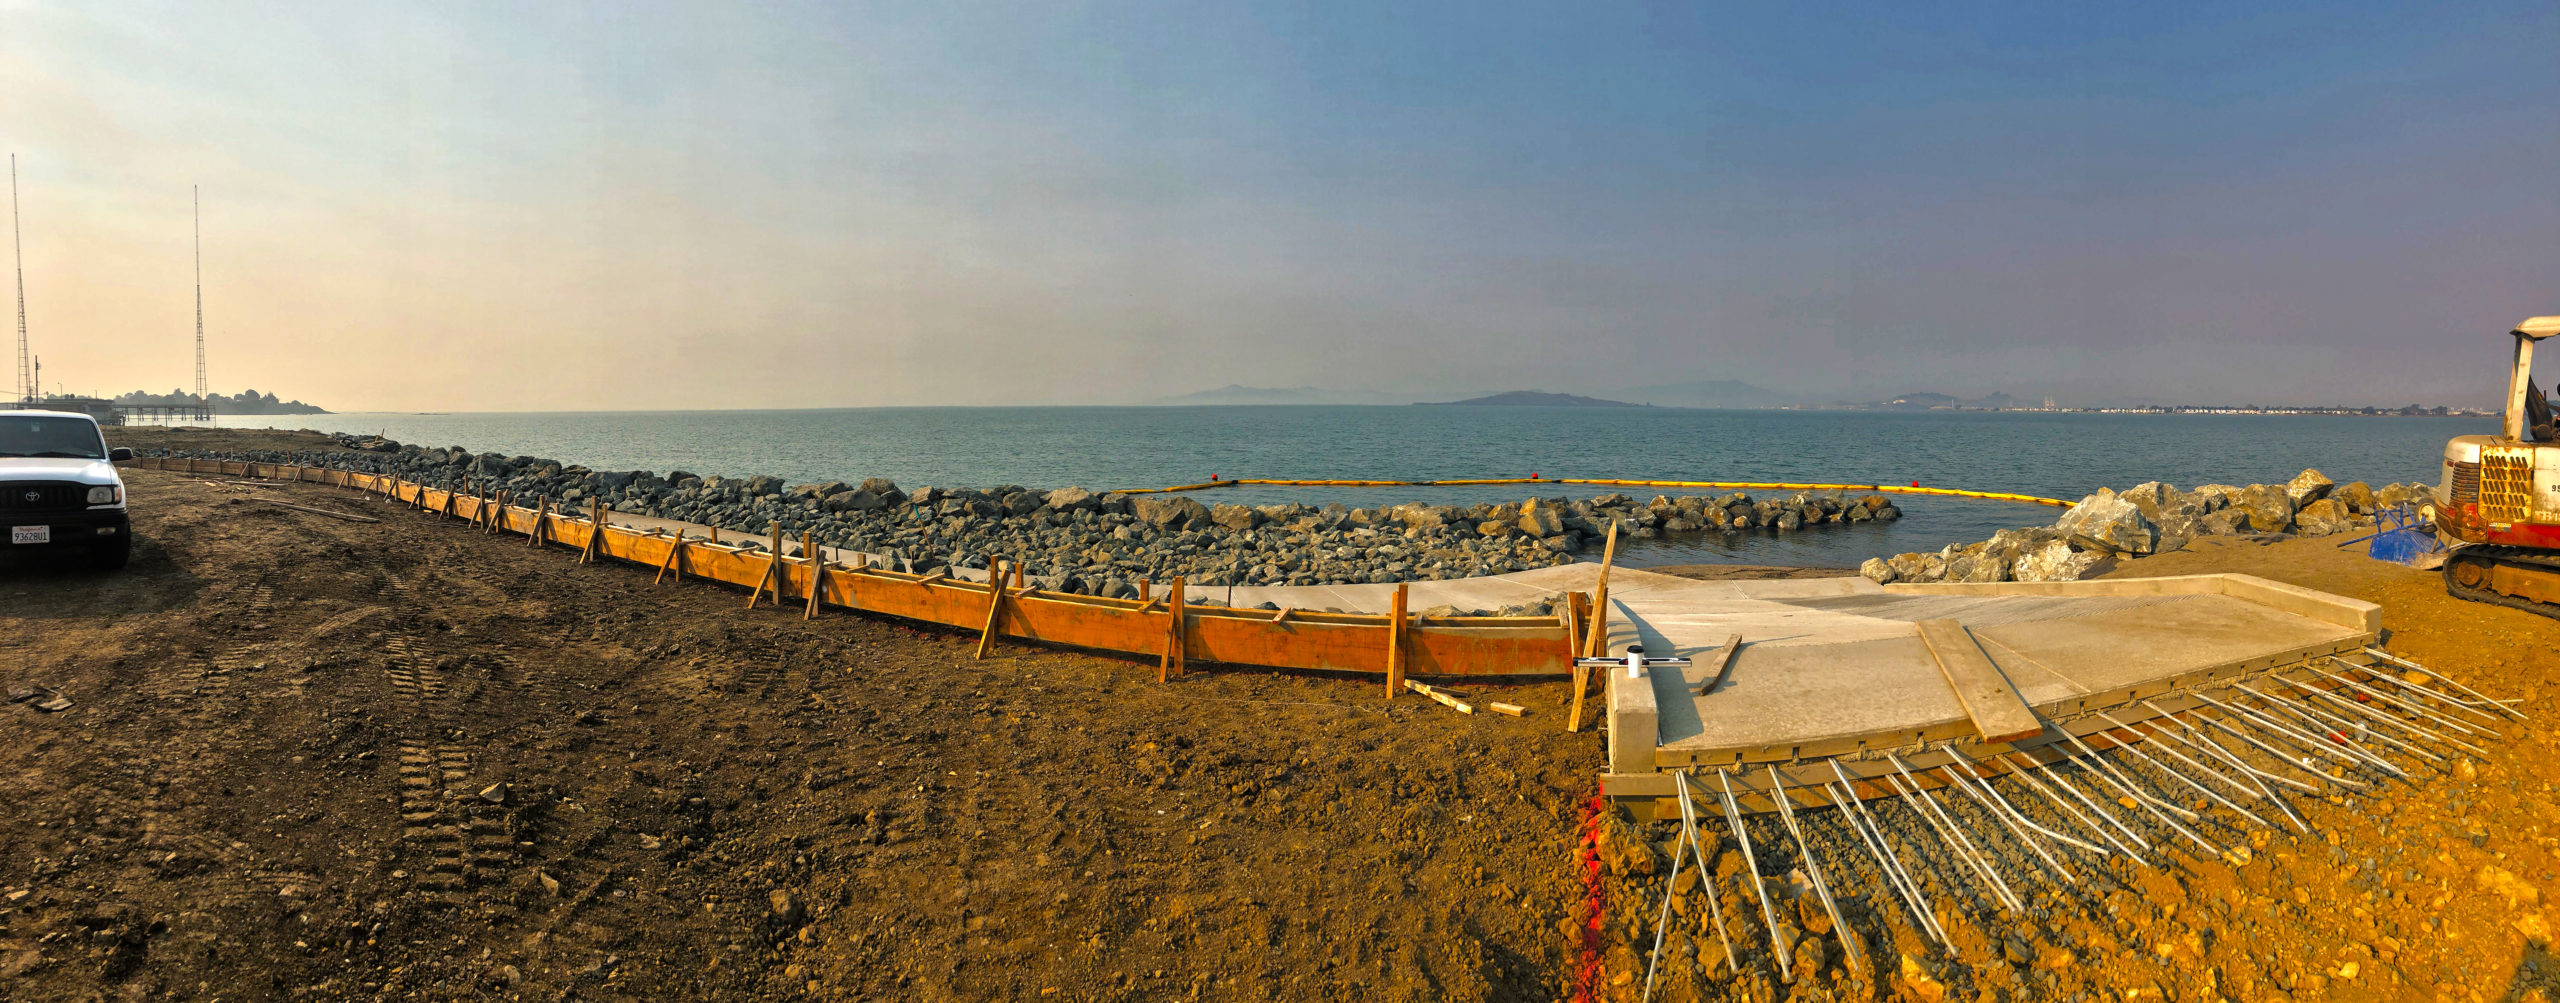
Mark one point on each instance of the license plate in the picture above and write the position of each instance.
(30, 534)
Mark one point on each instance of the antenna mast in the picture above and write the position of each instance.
(27, 390)
(200, 386)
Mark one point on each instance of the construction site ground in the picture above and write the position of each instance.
(315, 758)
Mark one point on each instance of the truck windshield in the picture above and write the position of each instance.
(49, 436)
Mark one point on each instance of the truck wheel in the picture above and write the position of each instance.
(112, 556)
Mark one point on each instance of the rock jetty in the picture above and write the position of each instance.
(1103, 543)
(2149, 518)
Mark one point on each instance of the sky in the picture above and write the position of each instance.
(567, 206)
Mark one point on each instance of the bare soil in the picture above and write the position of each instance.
(322, 759)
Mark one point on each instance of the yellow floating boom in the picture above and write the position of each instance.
(1913, 489)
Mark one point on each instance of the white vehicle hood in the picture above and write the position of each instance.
(51, 468)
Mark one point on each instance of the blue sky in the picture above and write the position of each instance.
(638, 205)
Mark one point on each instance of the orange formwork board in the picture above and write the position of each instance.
(1350, 642)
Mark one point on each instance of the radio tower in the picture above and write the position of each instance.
(200, 387)
(26, 372)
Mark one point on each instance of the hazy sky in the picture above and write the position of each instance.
(622, 205)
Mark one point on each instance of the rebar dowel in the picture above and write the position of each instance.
(1954, 838)
(1891, 860)
(2208, 792)
(2005, 821)
(2339, 727)
(2376, 716)
(2272, 752)
(1662, 920)
(2467, 729)
(2503, 706)
(1813, 870)
(2142, 796)
(1751, 865)
(2039, 787)
(2045, 773)
(1984, 786)
(1893, 879)
(2361, 727)
(2349, 757)
(1706, 870)
(2253, 775)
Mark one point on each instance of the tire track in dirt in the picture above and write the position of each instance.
(467, 839)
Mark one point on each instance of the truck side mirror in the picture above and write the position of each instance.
(119, 455)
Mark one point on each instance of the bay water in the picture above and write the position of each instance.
(2051, 454)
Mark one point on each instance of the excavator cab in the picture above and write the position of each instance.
(2498, 504)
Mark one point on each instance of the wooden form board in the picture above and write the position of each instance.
(1337, 642)
(1993, 703)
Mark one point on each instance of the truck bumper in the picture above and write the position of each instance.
(66, 529)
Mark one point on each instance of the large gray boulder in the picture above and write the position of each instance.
(1069, 498)
(2057, 562)
(886, 489)
(2215, 497)
(2110, 520)
(2269, 506)
(2307, 487)
(854, 501)
(2178, 526)
(2357, 496)
(2324, 517)
(2226, 522)
(1977, 567)
(1169, 512)
(1235, 517)
(2152, 498)
(1542, 521)
(1877, 570)
(761, 485)
(1918, 567)
(1422, 516)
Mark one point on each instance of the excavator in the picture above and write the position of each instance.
(2498, 506)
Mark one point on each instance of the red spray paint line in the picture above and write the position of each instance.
(1595, 901)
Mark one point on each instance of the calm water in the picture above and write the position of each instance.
(2054, 455)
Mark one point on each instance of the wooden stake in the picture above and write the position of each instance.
(1146, 590)
(1597, 644)
(772, 571)
(817, 573)
(995, 607)
(1599, 639)
(595, 531)
(1396, 644)
(1444, 699)
(541, 518)
(675, 557)
(1175, 612)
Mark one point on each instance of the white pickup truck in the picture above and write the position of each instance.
(59, 487)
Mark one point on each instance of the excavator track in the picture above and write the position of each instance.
(2471, 573)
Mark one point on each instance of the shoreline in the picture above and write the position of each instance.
(1114, 544)
(1079, 541)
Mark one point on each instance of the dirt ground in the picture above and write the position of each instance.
(312, 758)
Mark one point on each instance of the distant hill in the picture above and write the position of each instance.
(1239, 394)
(1533, 398)
(1706, 393)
